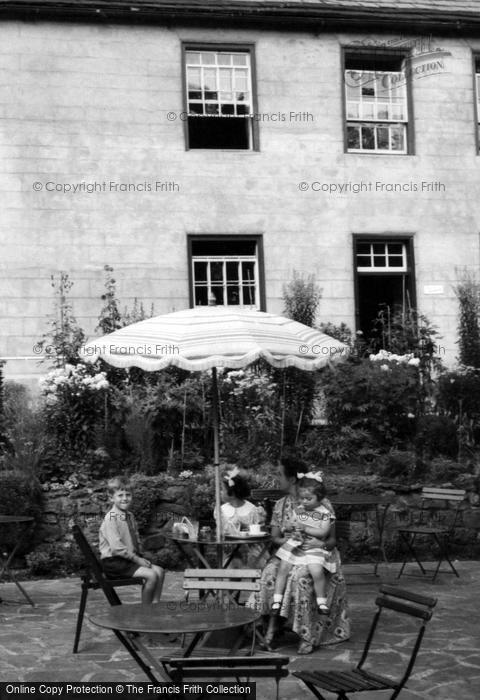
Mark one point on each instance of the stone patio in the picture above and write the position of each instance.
(36, 643)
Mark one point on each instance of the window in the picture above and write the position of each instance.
(219, 98)
(228, 267)
(376, 104)
(384, 277)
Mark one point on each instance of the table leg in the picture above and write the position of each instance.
(381, 526)
(184, 551)
(6, 570)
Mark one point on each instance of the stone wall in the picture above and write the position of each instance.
(86, 501)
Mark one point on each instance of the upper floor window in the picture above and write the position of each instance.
(376, 103)
(219, 97)
(229, 267)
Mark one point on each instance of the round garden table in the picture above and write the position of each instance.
(199, 546)
(175, 617)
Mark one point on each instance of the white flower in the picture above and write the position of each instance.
(414, 361)
(385, 368)
(410, 415)
(186, 474)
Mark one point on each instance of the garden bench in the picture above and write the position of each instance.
(94, 578)
(359, 679)
(440, 534)
(238, 667)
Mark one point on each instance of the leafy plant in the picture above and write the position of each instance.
(63, 341)
(301, 297)
(468, 294)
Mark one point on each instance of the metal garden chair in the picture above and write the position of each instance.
(359, 679)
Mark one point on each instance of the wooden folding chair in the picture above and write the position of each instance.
(358, 679)
(223, 587)
(238, 667)
(439, 534)
(94, 578)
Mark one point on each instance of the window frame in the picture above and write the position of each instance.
(255, 238)
(387, 237)
(219, 47)
(389, 53)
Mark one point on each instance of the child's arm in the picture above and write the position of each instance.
(112, 534)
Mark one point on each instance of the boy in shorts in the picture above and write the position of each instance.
(120, 551)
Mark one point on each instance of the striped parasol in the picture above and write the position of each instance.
(209, 337)
(214, 336)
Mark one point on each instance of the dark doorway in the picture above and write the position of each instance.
(384, 282)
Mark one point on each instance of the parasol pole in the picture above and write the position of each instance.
(216, 456)
(212, 301)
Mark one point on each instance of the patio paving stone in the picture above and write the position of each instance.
(36, 643)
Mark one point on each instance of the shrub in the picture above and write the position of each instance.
(21, 495)
(301, 297)
(399, 464)
(55, 559)
(381, 398)
(468, 294)
(436, 435)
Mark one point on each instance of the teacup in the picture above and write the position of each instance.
(255, 529)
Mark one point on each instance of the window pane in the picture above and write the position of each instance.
(363, 261)
(395, 248)
(382, 138)
(363, 248)
(194, 79)
(233, 295)
(227, 108)
(239, 59)
(226, 80)
(209, 79)
(218, 294)
(200, 271)
(224, 59)
(378, 248)
(379, 261)
(382, 110)
(201, 296)
(249, 295)
(211, 108)
(397, 138)
(368, 110)
(353, 110)
(368, 139)
(196, 108)
(353, 137)
(208, 57)
(395, 261)
(216, 271)
(192, 57)
(232, 271)
(248, 271)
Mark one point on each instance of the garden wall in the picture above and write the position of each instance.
(85, 500)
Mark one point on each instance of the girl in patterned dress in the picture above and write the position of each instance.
(311, 518)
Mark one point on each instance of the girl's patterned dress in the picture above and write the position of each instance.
(298, 604)
(298, 552)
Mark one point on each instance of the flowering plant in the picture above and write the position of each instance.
(74, 403)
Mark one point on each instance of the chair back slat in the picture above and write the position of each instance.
(437, 494)
(428, 601)
(221, 573)
(227, 661)
(403, 608)
(221, 585)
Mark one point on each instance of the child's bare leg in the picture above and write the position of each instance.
(281, 580)
(150, 579)
(160, 579)
(317, 572)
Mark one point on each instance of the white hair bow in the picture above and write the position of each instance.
(229, 477)
(316, 476)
